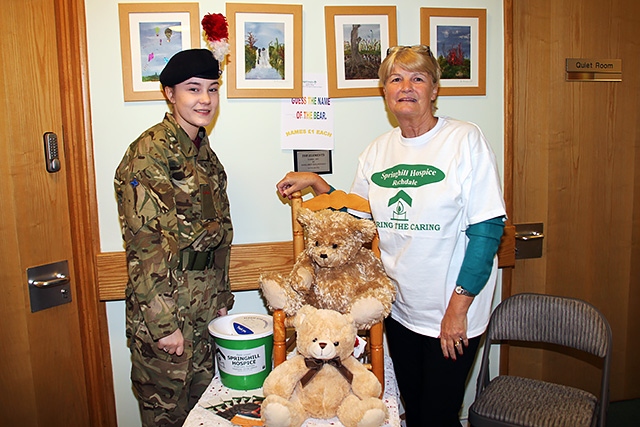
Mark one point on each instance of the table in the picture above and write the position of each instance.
(216, 393)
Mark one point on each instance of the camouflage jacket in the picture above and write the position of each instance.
(171, 197)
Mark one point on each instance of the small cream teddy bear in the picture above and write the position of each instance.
(323, 380)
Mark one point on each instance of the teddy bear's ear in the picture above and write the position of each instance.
(305, 216)
(367, 228)
(301, 314)
(350, 318)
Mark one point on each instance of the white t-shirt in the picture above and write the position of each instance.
(424, 193)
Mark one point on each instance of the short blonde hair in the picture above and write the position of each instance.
(411, 58)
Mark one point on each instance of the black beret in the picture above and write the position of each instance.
(190, 63)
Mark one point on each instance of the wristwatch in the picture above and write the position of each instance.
(462, 291)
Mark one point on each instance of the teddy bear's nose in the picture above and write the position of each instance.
(322, 345)
(323, 256)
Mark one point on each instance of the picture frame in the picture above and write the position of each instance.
(265, 58)
(376, 31)
(458, 39)
(150, 34)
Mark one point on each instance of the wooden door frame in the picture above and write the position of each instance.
(83, 208)
(507, 10)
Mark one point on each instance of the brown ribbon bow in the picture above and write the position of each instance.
(315, 365)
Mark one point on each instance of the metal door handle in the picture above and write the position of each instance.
(57, 279)
(529, 235)
(49, 285)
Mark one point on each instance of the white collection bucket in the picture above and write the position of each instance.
(244, 344)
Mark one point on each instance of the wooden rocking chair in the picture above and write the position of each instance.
(336, 200)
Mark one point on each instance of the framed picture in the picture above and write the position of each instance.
(458, 39)
(265, 60)
(150, 34)
(357, 41)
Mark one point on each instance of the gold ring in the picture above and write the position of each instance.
(457, 343)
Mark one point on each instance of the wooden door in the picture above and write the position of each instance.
(53, 361)
(576, 152)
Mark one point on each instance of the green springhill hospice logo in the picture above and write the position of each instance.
(408, 176)
(405, 176)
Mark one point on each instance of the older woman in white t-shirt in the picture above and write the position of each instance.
(436, 198)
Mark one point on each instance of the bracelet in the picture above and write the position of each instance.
(462, 291)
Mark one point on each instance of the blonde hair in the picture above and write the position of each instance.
(411, 58)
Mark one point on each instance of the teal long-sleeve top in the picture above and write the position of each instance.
(484, 239)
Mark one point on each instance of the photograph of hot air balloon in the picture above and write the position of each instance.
(150, 34)
(457, 38)
(266, 51)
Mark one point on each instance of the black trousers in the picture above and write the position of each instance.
(431, 386)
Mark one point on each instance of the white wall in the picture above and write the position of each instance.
(246, 138)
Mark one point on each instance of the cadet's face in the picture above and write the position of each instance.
(195, 102)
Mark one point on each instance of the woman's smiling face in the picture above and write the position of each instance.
(410, 94)
(195, 102)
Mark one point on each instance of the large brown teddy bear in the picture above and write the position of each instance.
(335, 271)
(323, 380)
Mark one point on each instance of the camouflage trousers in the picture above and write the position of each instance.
(169, 386)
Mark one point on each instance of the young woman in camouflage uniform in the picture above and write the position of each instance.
(174, 212)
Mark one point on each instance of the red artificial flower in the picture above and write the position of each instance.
(215, 26)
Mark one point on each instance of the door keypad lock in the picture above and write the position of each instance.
(52, 159)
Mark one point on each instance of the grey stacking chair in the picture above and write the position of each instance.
(516, 401)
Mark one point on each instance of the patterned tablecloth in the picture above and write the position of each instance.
(216, 394)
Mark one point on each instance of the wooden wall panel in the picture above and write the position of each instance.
(247, 262)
